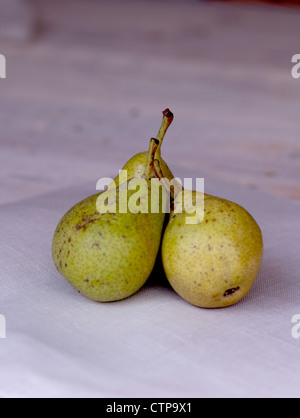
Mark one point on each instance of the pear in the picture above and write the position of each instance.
(136, 165)
(108, 255)
(211, 259)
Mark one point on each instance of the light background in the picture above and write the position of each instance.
(86, 84)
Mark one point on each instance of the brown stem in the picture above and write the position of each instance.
(149, 170)
(166, 122)
(173, 187)
(165, 182)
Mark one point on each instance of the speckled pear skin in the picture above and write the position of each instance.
(213, 264)
(107, 257)
(137, 164)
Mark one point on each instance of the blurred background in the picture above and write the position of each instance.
(87, 81)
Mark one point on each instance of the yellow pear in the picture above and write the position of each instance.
(211, 258)
(109, 254)
(213, 263)
(136, 165)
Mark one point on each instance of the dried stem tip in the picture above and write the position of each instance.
(166, 122)
(168, 114)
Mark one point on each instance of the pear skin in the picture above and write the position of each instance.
(108, 255)
(137, 164)
(213, 264)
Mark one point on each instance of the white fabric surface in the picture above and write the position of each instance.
(60, 344)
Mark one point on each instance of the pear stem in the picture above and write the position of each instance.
(149, 170)
(164, 182)
(168, 117)
(159, 174)
(173, 189)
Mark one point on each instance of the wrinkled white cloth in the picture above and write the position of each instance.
(60, 344)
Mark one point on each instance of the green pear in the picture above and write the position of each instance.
(136, 165)
(212, 248)
(109, 254)
(213, 262)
